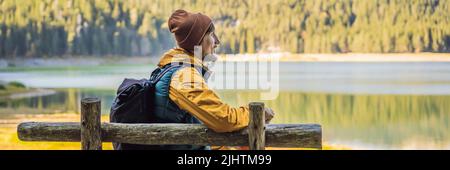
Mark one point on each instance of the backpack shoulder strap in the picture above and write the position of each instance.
(158, 73)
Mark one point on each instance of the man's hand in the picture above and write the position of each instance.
(269, 113)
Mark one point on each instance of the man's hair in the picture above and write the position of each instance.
(211, 29)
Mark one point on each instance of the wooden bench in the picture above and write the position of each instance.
(91, 132)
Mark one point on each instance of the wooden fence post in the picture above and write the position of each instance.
(90, 124)
(256, 126)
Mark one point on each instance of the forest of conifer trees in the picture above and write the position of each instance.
(44, 28)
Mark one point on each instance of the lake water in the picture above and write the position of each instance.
(359, 105)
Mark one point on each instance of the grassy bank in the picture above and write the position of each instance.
(7, 89)
(10, 141)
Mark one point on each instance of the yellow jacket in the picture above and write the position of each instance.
(190, 92)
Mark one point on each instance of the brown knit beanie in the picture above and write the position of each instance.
(189, 28)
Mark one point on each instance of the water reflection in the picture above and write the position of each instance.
(366, 121)
(358, 121)
(62, 101)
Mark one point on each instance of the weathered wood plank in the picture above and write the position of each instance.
(277, 135)
(256, 135)
(90, 124)
(42, 131)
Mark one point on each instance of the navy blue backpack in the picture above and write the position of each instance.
(132, 103)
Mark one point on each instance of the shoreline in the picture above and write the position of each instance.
(27, 93)
(283, 57)
(72, 61)
(344, 57)
(34, 92)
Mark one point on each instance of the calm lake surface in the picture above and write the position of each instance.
(359, 105)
